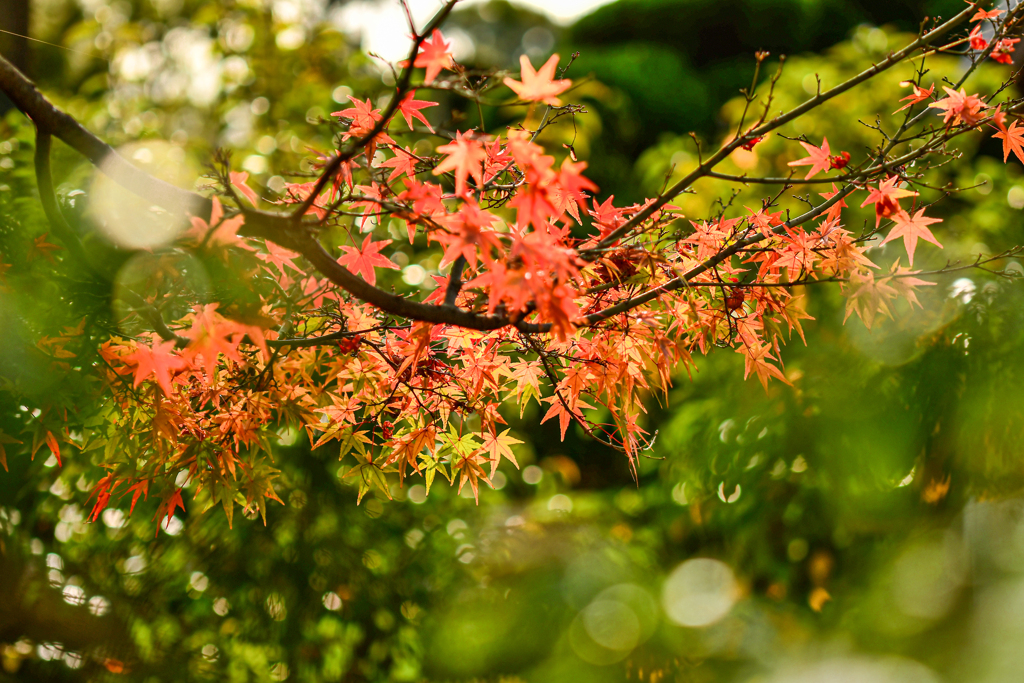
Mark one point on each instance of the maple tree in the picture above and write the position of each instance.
(547, 293)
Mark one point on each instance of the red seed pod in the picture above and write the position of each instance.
(749, 144)
(840, 160)
(735, 298)
(349, 345)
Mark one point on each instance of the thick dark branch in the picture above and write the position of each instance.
(278, 228)
(44, 115)
(454, 281)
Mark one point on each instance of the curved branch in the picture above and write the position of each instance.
(278, 228)
(31, 102)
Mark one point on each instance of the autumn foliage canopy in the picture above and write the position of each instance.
(547, 291)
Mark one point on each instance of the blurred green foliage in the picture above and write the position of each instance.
(866, 522)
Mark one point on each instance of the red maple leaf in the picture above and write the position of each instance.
(977, 41)
(919, 95)
(886, 198)
(435, 54)
(280, 257)
(138, 489)
(365, 258)
(1013, 139)
(168, 506)
(157, 360)
(404, 161)
(819, 159)
(910, 228)
(990, 14)
(539, 86)
(960, 107)
(466, 157)
(362, 114)
(410, 109)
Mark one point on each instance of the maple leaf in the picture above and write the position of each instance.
(910, 228)
(564, 416)
(435, 54)
(239, 182)
(836, 209)
(157, 360)
(960, 107)
(219, 234)
(138, 489)
(404, 161)
(919, 95)
(3, 454)
(362, 114)
(167, 507)
(1013, 141)
(903, 282)
(983, 14)
(280, 257)
(886, 198)
(977, 41)
(1004, 49)
(102, 491)
(469, 233)
(757, 357)
(466, 157)
(869, 297)
(364, 259)
(40, 247)
(818, 159)
(539, 86)
(410, 109)
(999, 119)
(527, 376)
(51, 443)
(498, 445)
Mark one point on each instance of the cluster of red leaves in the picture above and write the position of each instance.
(529, 242)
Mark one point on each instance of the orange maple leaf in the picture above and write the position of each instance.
(756, 359)
(40, 247)
(959, 107)
(157, 360)
(466, 157)
(3, 454)
(539, 86)
(168, 506)
(239, 182)
(910, 228)
(869, 297)
(365, 258)
(983, 14)
(919, 95)
(1013, 141)
(498, 445)
(818, 158)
